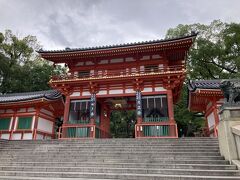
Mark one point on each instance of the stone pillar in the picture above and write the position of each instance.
(229, 117)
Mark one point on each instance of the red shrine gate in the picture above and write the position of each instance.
(144, 76)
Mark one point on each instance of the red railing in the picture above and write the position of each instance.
(119, 72)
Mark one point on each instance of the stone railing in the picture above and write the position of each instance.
(236, 134)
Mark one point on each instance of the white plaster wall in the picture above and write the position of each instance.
(27, 136)
(145, 58)
(45, 125)
(46, 112)
(116, 91)
(103, 62)
(5, 136)
(75, 94)
(211, 120)
(160, 89)
(79, 64)
(16, 136)
(89, 63)
(160, 66)
(147, 90)
(102, 92)
(129, 91)
(9, 111)
(39, 136)
(156, 56)
(31, 109)
(86, 93)
(129, 59)
(22, 110)
(116, 60)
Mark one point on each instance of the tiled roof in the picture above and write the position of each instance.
(204, 84)
(118, 45)
(27, 96)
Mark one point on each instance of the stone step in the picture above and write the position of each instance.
(110, 151)
(184, 158)
(107, 151)
(162, 162)
(114, 145)
(115, 153)
(114, 156)
(77, 168)
(131, 148)
(114, 159)
(129, 177)
(143, 148)
(107, 173)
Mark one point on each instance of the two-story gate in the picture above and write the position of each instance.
(146, 76)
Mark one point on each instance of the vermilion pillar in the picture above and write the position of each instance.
(66, 114)
(36, 123)
(170, 106)
(172, 125)
(13, 123)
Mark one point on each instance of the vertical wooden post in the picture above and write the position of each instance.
(207, 132)
(36, 123)
(66, 114)
(171, 114)
(13, 124)
(170, 106)
(216, 117)
(102, 121)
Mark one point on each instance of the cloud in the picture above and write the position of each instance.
(72, 23)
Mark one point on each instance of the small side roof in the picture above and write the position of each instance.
(204, 84)
(48, 95)
(202, 92)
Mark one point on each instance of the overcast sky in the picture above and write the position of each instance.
(81, 23)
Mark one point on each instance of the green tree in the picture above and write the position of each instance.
(122, 123)
(214, 55)
(21, 68)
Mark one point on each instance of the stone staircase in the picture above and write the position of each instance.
(185, 158)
